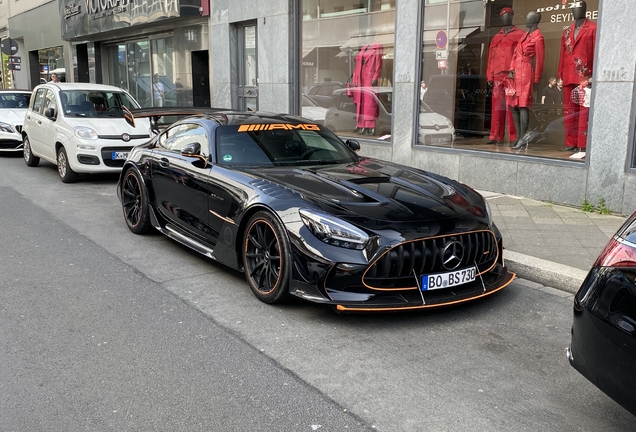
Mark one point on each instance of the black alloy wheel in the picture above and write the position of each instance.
(64, 168)
(134, 203)
(266, 258)
(27, 153)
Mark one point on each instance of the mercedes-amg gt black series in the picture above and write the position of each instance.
(301, 213)
(603, 346)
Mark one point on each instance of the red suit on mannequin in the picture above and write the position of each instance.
(500, 53)
(366, 74)
(575, 65)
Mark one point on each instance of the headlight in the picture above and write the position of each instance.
(333, 231)
(84, 132)
(5, 127)
(449, 123)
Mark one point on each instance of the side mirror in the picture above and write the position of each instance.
(193, 149)
(49, 113)
(353, 145)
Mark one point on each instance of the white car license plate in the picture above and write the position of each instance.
(120, 155)
(440, 140)
(448, 280)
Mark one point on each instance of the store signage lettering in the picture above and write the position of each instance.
(102, 8)
(71, 10)
(566, 16)
(308, 63)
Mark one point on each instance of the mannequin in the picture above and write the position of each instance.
(524, 80)
(500, 54)
(576, 63)
(366, 74)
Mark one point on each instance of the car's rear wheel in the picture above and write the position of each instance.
(29, 158)
(64, 168)
(266, 258)
(134, 203)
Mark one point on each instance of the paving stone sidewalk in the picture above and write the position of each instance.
(565, 240)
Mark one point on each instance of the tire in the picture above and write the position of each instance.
(266, 258)
(64, 168)
(134, 203)
(27, 152)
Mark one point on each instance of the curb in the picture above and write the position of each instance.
(545, 272)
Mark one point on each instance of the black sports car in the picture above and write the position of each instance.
(286, 201)
(603, 346)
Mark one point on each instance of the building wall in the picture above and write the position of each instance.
(274, 23)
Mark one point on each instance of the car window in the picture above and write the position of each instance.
(345, 103)
(164, 139)
(95, 103)
(50, 101)
(38, 100)
(326, 90)
(188, 133)
(306, 145)
(14, 100)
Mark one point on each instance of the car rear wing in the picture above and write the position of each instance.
(155, 113)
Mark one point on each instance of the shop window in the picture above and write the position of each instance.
(347, 64)
(516, 79)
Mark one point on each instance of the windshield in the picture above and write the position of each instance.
(14, 100)
(91, 103)
(305, 144)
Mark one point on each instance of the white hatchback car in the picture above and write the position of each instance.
(13, 107)
(81, 128)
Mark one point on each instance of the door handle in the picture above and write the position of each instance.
(164, 162)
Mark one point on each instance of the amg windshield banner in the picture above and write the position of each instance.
(87, 17)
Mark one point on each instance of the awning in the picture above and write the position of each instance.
(454, 33)
(356, 42)
(387, 53)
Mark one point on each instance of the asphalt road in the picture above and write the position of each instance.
(101, 329)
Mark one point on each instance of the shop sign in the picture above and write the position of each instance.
(308, 63)
(71, 9)
(561, 13)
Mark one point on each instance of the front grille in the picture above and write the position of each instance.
(10, 144)
(396, 268)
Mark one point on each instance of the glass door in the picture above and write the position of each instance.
(117, 73)
(248, 71)
(140, 80)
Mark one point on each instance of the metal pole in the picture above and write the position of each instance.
(448, 37)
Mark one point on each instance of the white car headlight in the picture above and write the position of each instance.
(84, 132)
(333, 231)
(449, 123)
(5, 127)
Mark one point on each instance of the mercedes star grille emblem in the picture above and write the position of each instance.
(125, 137)
(452, 255)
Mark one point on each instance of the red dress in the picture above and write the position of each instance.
(530, 47)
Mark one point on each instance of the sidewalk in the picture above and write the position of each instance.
(550, 244)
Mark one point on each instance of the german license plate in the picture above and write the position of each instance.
(120, 155)
(440, 140)
(448, 280)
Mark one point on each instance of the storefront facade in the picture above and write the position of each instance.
(558, 129)
(157, 51)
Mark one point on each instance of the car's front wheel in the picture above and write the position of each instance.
(29, 158)
(64, 168)
(266, 258)
(134, 203)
